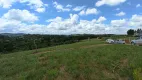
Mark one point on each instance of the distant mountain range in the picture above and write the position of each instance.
(21, 34)
(12, 34)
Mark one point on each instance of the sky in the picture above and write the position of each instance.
(70, 16)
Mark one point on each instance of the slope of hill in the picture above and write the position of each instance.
(86, 60)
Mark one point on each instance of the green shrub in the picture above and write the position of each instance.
(137, 74)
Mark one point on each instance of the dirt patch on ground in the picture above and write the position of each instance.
(99, 45)
(124, 62)
(113, 76)
(109, 74)
(63, 75)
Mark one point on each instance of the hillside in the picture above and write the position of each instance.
(86, 60)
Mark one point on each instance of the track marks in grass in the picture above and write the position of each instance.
(90, 46)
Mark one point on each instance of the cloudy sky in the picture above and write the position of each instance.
(70, 16)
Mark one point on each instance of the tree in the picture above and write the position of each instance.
(130, 32)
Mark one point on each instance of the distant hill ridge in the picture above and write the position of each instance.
(12, 34)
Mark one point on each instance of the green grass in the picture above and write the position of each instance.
(120, 37)
(86, 60)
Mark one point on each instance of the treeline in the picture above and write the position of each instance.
(132, 32)
(30, 42)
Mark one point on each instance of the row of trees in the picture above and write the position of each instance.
(30, 42)
(132, 32)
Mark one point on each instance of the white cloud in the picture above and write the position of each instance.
(119, 26)
(136, 21)
(6, 3)
(14, 26)
(9, 25)
(119, 23)
(136, 18)
(40, 10)
(109, 2)
(78, 8)
(69, 6)
(54, 20)
(82, 12)
(121, 13)
(89, 11)
(60, 7)
(72, 25)
(63, 24)
(101, 19)
(117, 9)
(74, 18)
(32, 29)
(138, 5)
(37, 5)
(20, 15)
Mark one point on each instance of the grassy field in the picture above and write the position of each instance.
(120, 37)
(86, 60)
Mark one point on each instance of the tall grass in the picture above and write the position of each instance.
(108, 62)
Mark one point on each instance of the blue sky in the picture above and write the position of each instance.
(70, 16)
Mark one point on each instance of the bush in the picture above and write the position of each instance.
(137, 74)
